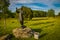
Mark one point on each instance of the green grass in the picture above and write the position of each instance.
(49, 28)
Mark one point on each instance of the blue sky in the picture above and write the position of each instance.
(44, 5)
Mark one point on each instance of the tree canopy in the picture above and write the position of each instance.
(4, 4)
(27, 12)
(59, 14)
(51, 13)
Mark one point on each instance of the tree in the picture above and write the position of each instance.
(37, 13)
(51, 13)
(28, 13)
(31, 15)
(11, 14)
(4, 4)
(59, 14)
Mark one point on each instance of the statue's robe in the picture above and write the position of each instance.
(21, 17)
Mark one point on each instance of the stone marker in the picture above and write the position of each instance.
(36, 35)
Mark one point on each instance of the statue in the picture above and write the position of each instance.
(21, 18)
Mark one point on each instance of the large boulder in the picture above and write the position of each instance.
(22, 33)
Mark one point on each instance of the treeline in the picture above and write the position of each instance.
(37, 13)
(9, 14)
(29, 13)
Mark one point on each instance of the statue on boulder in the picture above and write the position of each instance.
(21, 18)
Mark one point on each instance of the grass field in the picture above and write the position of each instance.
(49, 28)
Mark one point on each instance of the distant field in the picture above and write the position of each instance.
(49, 28)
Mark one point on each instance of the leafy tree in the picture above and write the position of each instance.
(37, 13)
(28, 14)
(51, 13)
(31, 15)
(11, 14)
(4, 4)
(59, 14)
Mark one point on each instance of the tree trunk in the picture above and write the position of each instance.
(4, 18)
(4, 22)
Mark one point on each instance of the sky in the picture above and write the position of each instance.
(44, 5)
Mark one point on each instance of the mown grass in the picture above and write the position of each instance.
(47, 27)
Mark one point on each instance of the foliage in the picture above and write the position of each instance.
(59, 14)
(11, 14)
(4, 4)
(37, 13)
(27, 12)
(51, 13)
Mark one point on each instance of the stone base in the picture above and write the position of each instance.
(22, 33)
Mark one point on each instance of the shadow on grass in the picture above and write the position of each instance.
(37, 30)
(43, 35)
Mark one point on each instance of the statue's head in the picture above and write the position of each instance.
(18, 10)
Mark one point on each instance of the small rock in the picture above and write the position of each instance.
(9, 37)
(36, 35)
(3, 37)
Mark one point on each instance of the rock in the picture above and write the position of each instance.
(22, 33)
(9, 37)
(36, 35)
(25, 33)
(3, 37)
